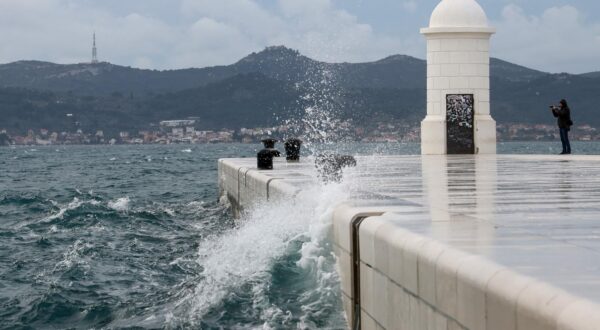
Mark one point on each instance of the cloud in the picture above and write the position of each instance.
(209, 42)
(197, 33)
(206, 32)
(245, 15)
(315, 27)
(320, 30)
(61, 31)
(560, 38)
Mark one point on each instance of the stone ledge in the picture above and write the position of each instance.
(244, 185)
(463, 288)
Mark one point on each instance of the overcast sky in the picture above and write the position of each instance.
(549, 35)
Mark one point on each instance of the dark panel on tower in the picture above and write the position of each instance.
(460, 135)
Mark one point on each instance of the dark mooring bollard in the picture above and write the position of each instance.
(330, 166)
(264, 158)
(292, 149)
(269, 143)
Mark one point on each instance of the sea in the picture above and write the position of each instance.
(118, 237)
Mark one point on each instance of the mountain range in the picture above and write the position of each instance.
(265, 88)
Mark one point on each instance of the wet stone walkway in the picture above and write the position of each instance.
(537, 215)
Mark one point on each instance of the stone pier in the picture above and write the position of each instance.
(455, 242)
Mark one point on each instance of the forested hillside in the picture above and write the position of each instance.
(263, 89)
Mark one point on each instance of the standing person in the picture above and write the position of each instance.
(563, 113)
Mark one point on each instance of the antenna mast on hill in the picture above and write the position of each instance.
(94, 51)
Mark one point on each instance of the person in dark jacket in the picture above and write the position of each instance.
(563, 113)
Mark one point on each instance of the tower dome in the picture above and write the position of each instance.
(458, 14)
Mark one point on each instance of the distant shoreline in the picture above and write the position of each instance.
(14, 146)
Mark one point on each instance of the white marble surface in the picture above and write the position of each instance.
(458, 13)
(538, 215)
(485, 242)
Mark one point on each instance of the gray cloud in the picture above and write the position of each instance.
(209, 33)
(170, 34)
(560, 38)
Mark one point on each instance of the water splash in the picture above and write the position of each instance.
(71, 206)
(74, 256)
(75, 203)
(120, 205)
(322, 118)
(240, 265)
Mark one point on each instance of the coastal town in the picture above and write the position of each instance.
(186, 132)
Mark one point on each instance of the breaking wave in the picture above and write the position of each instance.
(277, 266)
(147, 244)
(121, 204)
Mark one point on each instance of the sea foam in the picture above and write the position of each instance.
(121, 204)
(244, 256)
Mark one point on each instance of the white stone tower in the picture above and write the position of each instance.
(458, 81)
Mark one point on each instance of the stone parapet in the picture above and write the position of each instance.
(410, 281)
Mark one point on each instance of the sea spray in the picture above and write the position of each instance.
(75, 203)
(318, 259)
(321, 118)
(303, 229)
(241, 262)
(64, 209)
(74, 256)
(120, 205)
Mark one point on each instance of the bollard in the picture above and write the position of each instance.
(264, 158)
(269, 143)
(292, 149)
(330, 166)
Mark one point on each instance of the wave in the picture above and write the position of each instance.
(75, 212)
(75, 203)
(77, 208)
(20, 199)
(245, 259)
(74, 256)
(120, 204)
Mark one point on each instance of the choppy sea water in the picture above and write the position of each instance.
(133, 236)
